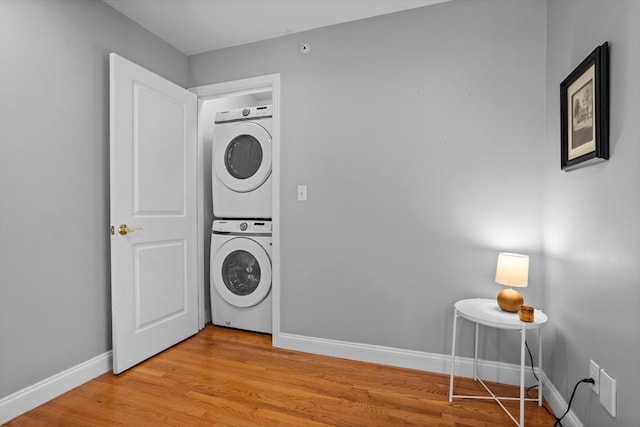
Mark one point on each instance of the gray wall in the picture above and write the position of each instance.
(419, 137)
(55, 307)
(592, 218)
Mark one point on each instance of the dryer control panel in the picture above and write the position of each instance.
(246, 113)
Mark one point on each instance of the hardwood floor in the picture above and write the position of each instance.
(226, 377)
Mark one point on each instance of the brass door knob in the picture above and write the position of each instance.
(123, 230)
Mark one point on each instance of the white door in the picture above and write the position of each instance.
(153, 213)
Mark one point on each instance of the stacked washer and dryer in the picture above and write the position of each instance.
(241, 231)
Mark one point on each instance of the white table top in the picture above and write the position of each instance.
(486, 312)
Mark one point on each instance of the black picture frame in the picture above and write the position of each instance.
(584, 112)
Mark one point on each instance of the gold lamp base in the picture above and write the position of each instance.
(510, 300)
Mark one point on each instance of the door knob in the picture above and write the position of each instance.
(123, 230)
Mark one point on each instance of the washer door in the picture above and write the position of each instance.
(242, 156)
(242, 272)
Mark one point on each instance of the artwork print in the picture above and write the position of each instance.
(582, 135)
(584, 105)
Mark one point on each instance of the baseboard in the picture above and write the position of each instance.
(35, 395)
(432, 362)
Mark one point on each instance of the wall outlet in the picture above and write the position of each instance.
(608, 392)
(594, 373)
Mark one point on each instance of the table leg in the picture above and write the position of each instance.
(453, 353)
(523, 337)
(475, 356)
(540, 367)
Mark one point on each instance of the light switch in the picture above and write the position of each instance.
(302, 192)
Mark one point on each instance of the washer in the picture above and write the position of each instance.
(241, 274)
(241, 163)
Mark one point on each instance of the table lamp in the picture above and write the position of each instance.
(513, 271)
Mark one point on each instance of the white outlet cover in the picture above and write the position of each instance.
(594, 372)
(608, 392)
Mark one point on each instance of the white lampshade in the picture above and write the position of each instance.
(512, 270)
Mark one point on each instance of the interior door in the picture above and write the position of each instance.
(153, 213)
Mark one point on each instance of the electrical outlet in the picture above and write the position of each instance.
(594, 373)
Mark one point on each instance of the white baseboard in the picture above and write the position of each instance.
(35, 395)
(432, 362)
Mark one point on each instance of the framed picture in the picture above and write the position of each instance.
(584, 112)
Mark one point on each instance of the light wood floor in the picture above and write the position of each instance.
(226, 377)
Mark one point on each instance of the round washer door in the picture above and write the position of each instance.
(242, 272)
(242, 156)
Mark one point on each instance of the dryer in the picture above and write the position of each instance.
(241, 163)
(241, 274)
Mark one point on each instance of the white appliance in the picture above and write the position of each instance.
(241, 274)
(241, 163)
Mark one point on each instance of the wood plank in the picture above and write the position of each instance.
(226, 377)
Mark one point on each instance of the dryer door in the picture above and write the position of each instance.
(242, 155)
(242, 272)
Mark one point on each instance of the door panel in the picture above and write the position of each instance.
(153, 196)
(159, 268)
(159, 151)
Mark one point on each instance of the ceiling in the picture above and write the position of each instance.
(196, 26)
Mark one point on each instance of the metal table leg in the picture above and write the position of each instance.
(453, 354)
(539, 367)
(523, 336)
(475, 355)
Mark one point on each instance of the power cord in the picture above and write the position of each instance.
(584, 380)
